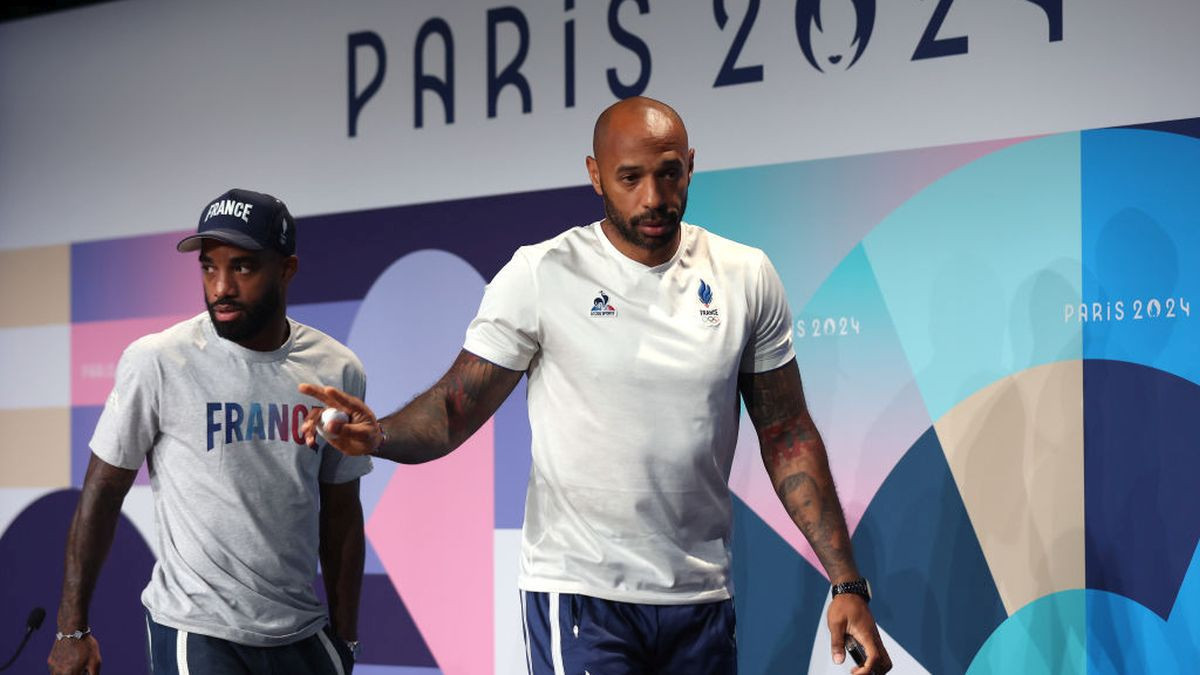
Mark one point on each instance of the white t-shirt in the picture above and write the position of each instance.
(236, 496)
(634, 406)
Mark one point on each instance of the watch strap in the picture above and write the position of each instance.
(859, 587)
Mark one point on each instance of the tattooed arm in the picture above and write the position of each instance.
(796, 462)
(795, 458)
(432, 424)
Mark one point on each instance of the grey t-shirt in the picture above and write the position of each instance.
(236, 496)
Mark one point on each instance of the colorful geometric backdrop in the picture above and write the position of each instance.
(997, 342)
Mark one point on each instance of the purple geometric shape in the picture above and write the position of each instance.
(83, 423)
(357, 246)
(32, 551)
(133, 277)
(332, 318)
(403, 356)
(145, 276)
(513, 459)
(385, 627)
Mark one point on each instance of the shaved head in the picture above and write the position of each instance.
(633, 113)
(641, 166)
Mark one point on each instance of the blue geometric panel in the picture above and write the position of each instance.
(1141, 458)
(933, 590)
(1125, 637)
(778, 597)
(1141, 249)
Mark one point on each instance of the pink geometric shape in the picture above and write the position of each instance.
(432, 529)
(97, 346)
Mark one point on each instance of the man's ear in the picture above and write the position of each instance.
(593, 169)
(291, 265)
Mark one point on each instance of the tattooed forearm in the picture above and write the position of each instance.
(794, 456)
(440, 419)
(815, 509)
(785, 442)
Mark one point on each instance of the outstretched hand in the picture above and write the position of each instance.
(360, 435)
(848, 615)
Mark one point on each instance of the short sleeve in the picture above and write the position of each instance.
(129, 423)
(770, 343)
(505, 330)
(335, 466)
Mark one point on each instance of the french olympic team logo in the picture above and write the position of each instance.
(600, 306)
(708, 317)
(834, 33)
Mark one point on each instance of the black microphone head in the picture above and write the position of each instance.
(36, 617)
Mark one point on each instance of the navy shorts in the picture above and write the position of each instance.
(569, 634)
(178, 652)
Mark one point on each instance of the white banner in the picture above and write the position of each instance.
(123, 118)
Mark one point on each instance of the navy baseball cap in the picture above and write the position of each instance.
(246, 219)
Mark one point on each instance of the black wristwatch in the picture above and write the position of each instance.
(860, 587)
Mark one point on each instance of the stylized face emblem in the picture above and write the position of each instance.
(834, 33)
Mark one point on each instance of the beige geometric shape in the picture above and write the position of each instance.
(35, 449)
(1016, 451)
(35, 286)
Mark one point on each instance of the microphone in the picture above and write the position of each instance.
(34, 622)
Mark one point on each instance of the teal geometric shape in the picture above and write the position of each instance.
(859, 383)
(808, 215)
(1097, 632)
(1047, 636)
(977, 267)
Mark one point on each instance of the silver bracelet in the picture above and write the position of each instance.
(77, 635)
(383, 436)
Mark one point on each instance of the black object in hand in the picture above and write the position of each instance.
(855, 650)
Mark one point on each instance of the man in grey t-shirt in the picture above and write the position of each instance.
(243, 506)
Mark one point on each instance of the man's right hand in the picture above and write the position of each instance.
(74, 657)
(359, 436)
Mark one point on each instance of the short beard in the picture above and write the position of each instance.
(628, 228)
(253, 321)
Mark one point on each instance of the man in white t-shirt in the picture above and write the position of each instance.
(637, 334)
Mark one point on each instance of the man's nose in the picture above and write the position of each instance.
(224, 285)
(652, 195)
